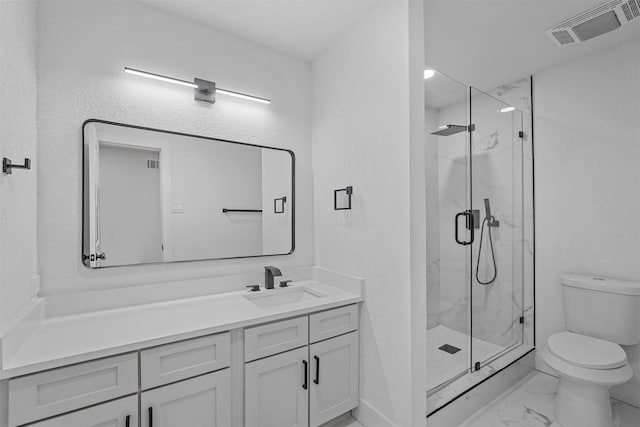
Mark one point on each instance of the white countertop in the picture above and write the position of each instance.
(63, 340)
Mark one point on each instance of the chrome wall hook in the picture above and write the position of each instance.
(7, 166)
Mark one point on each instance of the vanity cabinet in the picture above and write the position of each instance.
(201, 401)
(296, 372)
(308, 385)
(186, 383)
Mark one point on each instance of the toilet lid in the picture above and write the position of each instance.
(586, 352)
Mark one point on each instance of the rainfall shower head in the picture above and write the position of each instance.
(450, 130)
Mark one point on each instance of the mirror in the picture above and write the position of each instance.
(156, 196)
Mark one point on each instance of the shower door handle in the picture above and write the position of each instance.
(469, 225)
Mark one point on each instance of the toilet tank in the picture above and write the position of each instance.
(603, 308)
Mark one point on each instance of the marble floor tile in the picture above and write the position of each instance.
(531, 403)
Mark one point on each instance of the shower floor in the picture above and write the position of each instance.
(442, 366)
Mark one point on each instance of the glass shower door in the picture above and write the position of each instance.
(448, 237)
(497, 251)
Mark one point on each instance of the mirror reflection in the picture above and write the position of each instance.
(154, 196)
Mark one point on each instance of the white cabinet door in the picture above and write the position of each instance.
(203, 401)
(118, 413)
(334, 377)
(276, 390)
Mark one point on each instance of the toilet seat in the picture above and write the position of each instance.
(586, 352)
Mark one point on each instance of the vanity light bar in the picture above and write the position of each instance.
(204, 90)
(159, 77)
(243, 96)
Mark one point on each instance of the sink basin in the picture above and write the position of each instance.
(277, 297)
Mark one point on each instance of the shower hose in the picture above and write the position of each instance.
(493, 254)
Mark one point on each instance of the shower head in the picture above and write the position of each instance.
(450, 130)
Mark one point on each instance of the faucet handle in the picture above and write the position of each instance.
(284, 283)
(253, 288)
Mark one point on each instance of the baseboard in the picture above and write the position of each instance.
(369, 416)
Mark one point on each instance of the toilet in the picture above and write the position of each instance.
(601, 314)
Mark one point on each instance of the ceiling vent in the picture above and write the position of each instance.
(594, 22)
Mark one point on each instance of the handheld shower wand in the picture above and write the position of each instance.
(490, 221)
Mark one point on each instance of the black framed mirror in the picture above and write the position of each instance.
(158, 196)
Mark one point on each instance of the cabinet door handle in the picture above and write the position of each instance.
(150, 416)
(127, 421)
(317, 379)
(306, 373)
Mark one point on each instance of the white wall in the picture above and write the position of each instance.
(83, 48)
(587, 131)
(361, 138)
(18, 253)
(418, 213)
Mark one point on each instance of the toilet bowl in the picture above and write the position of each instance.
(600, 315)
(587, 368)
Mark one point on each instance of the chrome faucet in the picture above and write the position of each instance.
(269, 273)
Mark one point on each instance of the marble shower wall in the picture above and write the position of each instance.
(452, 197)
(502, 172)
(433, 222)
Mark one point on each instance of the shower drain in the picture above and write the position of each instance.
(449, 349)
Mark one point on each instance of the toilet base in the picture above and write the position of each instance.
(583, 405)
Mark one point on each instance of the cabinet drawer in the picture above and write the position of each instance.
(49, 393)
(334, 322)
(266, 340)
(173, 362)
(117, 413)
